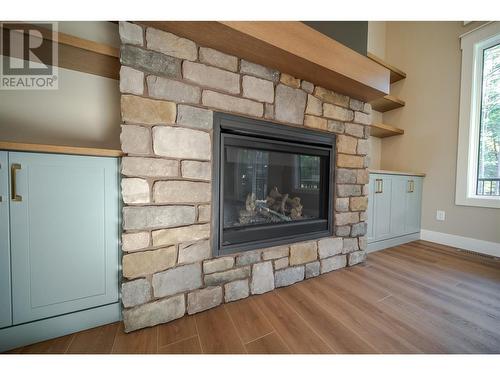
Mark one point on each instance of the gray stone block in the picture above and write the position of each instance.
(204, 299)
(150, 61)
(312, 269)
(288, 276)
(198, 170)
(221, 60)
(150, 217)
(135, 140)
(290, 104)
(236, 290)
(168, 89)
(177, 280)
(356, 257)
(149, 167)
(130, 33)
(227, 276)
(194, 117)
(192, 252)
(262, 278)
(171, 192)
(248, 257)
(154, 313)
(358, 229)
(333, 263)
(177, 142)
(328, 247)
(259, 71)
(135, 292)
(131, 81)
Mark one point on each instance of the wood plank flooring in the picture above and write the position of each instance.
(415, 298)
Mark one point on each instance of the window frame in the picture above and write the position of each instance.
(472, 44)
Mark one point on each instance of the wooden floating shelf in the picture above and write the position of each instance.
(396, 74)
(387, 103)
(290, 47)
(53, 149)
(383, 130)
(77, 54)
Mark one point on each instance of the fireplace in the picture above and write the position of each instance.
(273, 184)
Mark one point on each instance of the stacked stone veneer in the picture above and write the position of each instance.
(170, 87)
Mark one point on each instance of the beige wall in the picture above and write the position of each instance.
(84, 111)
(429, 52)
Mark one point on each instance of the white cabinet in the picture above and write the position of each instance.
(394, 209)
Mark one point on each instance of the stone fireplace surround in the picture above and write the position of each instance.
(170, 87)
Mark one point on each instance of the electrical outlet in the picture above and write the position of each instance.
(440, 215)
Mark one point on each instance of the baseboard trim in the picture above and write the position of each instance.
(466, 243)
(384, 244)
(41, 330)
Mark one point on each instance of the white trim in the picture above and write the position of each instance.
(474, 29)
(384, 244)
(41, 330)
(468, 131)
(466, 243)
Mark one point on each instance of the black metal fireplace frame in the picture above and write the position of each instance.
(225, 127)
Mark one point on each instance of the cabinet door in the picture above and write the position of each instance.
(5, 297)
(64, 234)
(371, 195)
(398, 205)
(382, 207)
(413, 204)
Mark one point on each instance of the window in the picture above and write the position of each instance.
(488, 170)
(478, 157)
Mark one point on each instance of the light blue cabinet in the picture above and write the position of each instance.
(5, 287)
(394, 209)
(63, 215)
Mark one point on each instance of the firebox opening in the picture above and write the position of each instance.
(273, 184)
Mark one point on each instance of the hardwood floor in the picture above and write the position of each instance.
(414, 298)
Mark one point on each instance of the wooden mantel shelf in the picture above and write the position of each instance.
(33, 147)
(387, 103)
(290, 47)
(396, 73)
(380, 130)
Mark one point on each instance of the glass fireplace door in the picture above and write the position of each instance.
(272, 189)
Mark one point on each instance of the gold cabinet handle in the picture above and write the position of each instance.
(411, 186)
(13, 169)
(379, 187)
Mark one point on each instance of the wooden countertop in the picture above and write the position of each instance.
(381, 171)
(32, 147)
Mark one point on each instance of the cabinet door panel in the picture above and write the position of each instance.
(398, 205)
(382, 207)
(414, 206)
(5, 288)
(64, 234)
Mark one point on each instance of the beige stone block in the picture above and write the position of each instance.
(331, 96)
(336, 112)
(148, 262)
(350, 161)
(209, 76)
(183, 234)
(289, 80)
(232, 104)
(303, 252)
(221, 60)
(135, 190)
(147, 111)
(358, 203)
(177, 142)
(170, 44)
(346, 144)
(315, 122)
